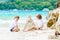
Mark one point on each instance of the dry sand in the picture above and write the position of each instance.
(5, 34)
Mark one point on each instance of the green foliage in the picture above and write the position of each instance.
(28, 4)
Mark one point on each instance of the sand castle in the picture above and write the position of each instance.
(29, 23)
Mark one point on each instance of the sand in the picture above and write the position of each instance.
(5, 34)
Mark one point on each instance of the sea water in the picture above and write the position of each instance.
(8, 15)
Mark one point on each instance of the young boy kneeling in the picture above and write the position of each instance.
(14, 25)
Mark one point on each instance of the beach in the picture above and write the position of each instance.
(40, 17)
(5, 33)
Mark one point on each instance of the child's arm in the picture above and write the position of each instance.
(41, 25)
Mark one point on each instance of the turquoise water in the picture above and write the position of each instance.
(5, 15)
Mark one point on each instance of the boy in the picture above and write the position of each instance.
(14, 26)
(39, 23)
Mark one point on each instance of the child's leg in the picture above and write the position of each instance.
(12, 30)
(40, 28)
(32, 28)
(16, 29)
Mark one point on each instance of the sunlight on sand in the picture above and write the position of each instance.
(5, 34)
